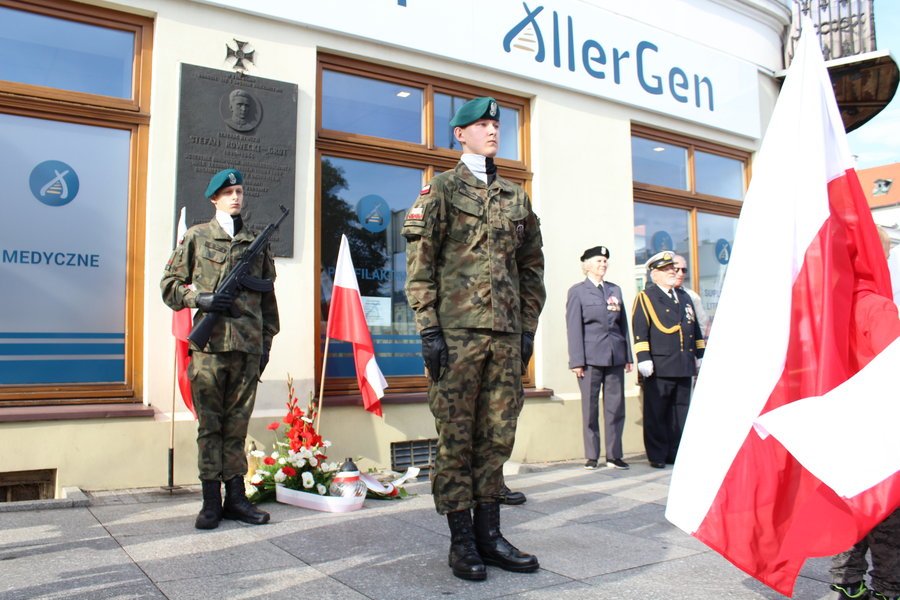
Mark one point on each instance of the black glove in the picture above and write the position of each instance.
(263, 361)
(214, 302)
(434, 351)
(527, 348)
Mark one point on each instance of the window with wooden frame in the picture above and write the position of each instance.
(687, 198)
(382, 133)
(74, 115)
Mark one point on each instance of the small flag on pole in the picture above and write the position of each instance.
(347, 322)
(181, 327)
(768, 471)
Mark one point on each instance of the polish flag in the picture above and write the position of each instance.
(347, 322)
(181, 327)
(790, 448)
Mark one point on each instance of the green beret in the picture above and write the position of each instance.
(473, 110)
(595, 251)
(661, 260)
(225, 178)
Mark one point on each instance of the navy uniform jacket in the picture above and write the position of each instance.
(597, 335)
(667, 333)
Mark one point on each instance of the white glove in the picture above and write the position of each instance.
(699, 361)
(645, 368)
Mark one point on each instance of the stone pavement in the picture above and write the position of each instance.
(598, 534)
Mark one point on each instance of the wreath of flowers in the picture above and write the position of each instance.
(298, 458)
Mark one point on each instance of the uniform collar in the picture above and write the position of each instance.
(463, 173)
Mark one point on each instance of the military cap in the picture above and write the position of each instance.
(473, 110)
(224, 178)
(595, 251)
(661, 260)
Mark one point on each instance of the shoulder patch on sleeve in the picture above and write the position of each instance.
(425, 190)
(416, 213)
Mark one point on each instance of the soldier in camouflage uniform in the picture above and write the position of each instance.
(224, 374)
(475, 281)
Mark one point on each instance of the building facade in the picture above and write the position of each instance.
(631, 125)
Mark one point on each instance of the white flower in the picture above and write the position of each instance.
(258, 454)
(299, 462)
(321, 489)
(256, 479)
(282, 444)
(308, 480)
(329, 467)
(313, 461)
(326, 443)
(262, 473)
(280, 476)
(307, 419)
(275, 455)
(305, 453)
(282, 461)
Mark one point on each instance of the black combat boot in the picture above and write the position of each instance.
(464, 559)
(211, 512)
(493, 547)
(237, 507)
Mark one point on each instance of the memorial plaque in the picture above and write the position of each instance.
(231, 120)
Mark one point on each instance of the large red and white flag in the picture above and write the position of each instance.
(181, 328)
(347, 322)
(790, 447)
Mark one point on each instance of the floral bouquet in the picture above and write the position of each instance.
(297, 460)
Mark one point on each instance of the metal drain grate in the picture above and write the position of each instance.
(418, 453)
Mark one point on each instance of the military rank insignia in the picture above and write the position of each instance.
(689, 311)
(425, 190)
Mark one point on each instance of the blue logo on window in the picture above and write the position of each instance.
(54, 183)
(723, 251)
(660, 241)
(374, 213)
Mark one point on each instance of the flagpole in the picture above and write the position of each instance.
(322, 380)
(171, 471)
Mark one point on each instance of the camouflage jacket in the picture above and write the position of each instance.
(199, 263)
(473, 255)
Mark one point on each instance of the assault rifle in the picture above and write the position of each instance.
(239, 277)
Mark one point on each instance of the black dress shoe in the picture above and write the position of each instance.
(657, 465)
(507, 496)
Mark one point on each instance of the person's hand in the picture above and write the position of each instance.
(579, 372)
(628, 367)
(527, 348)
(698, 362)
(645, 368)
(214, 302)
(434, 351)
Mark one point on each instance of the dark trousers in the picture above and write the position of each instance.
(883, 543)
(612, 382)
(666, 403)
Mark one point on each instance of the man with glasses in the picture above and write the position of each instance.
(669, 345)
(681, 272)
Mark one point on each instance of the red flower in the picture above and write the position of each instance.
(269, 460)
(289, 471)
(273, 426)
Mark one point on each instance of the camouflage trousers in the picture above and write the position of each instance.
(476, 404)
(223, 387)
(883, 543)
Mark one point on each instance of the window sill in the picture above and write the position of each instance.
(415, 397)
(74, 412)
